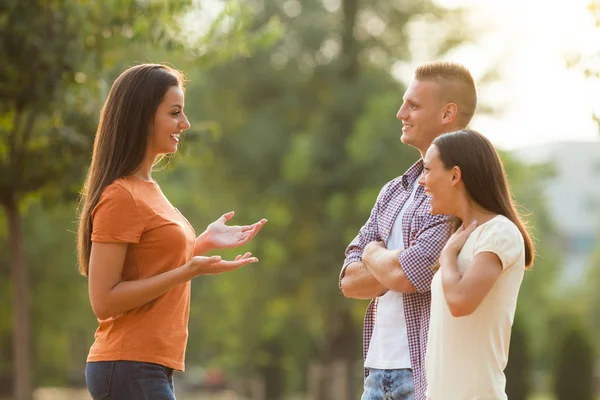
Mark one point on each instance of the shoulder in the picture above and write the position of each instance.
(500, 226)
(119, 189)
(117, 197)
(501, 236)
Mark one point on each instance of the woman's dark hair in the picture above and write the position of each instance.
(483, 175)
(122, 138)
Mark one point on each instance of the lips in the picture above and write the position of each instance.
(175, 137)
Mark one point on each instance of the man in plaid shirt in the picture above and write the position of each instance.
(395, 254)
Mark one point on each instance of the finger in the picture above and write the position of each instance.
(247, 228)
(257, 225)
(227, 216)
(471, 227)
(248, 254)
(246, 261)
(238, 257)
(245, 237)
(257, 228)
(233, 265)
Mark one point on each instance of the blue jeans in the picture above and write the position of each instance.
(389, 384)
(129, 380)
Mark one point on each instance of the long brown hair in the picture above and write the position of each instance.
(484, 176)
(121, 139)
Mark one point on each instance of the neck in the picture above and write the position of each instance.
(423, 149)
(469, 211)
(425, 146)
(145, 170)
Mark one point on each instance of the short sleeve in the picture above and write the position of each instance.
(501, 237)
(116, 217)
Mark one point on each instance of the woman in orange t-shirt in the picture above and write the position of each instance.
(138, 251)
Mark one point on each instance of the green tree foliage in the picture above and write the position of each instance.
(292, 120)
(304, 134)
(574, 373)
(45, 136)
(518, 371)
(539, 284)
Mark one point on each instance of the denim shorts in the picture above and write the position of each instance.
(389, 384)
(129, 380)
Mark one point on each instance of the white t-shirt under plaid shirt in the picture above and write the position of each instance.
(424, 236)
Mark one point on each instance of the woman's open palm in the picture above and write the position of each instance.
(222, 236)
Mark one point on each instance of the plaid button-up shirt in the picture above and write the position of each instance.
(424, 237)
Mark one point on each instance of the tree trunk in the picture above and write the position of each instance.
(343, 344)
(272, 373)
(20, 293)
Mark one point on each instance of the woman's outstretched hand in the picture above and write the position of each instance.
(218, 235)
(201, 265)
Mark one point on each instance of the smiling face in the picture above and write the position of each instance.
(169, 122)
(422, 114)
(440, 183)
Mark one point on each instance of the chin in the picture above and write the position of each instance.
(171, 150)
(435, 209)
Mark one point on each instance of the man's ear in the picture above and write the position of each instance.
(450, 113)
(456, 175)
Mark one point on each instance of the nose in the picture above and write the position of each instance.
(402, 114)
(421, 180)
(184, 124)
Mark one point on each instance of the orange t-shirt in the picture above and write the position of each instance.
(134, 211)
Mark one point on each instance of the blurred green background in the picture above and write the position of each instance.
(292, 106)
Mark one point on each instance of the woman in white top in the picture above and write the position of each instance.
(474, 292)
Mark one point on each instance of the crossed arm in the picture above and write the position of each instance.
(379, 272)
(370, 269)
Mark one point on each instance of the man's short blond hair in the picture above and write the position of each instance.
(456, 85)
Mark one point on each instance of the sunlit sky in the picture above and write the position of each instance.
(539, 97)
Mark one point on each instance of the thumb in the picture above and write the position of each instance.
(227, 216)
(214, 259)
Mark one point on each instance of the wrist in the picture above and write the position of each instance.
(187, 272)
(447, 256)
(369, 254)
(203, 244)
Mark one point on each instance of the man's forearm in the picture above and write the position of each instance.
(385, 267)
(359, 283)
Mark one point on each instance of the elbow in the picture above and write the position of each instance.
(459, 308)
(101, 309)
(345, 287)
(458, 312)
(100, 313)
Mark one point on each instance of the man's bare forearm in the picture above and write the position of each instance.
(384, 266)
(359, 283)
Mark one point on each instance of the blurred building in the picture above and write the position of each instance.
(573, 198)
